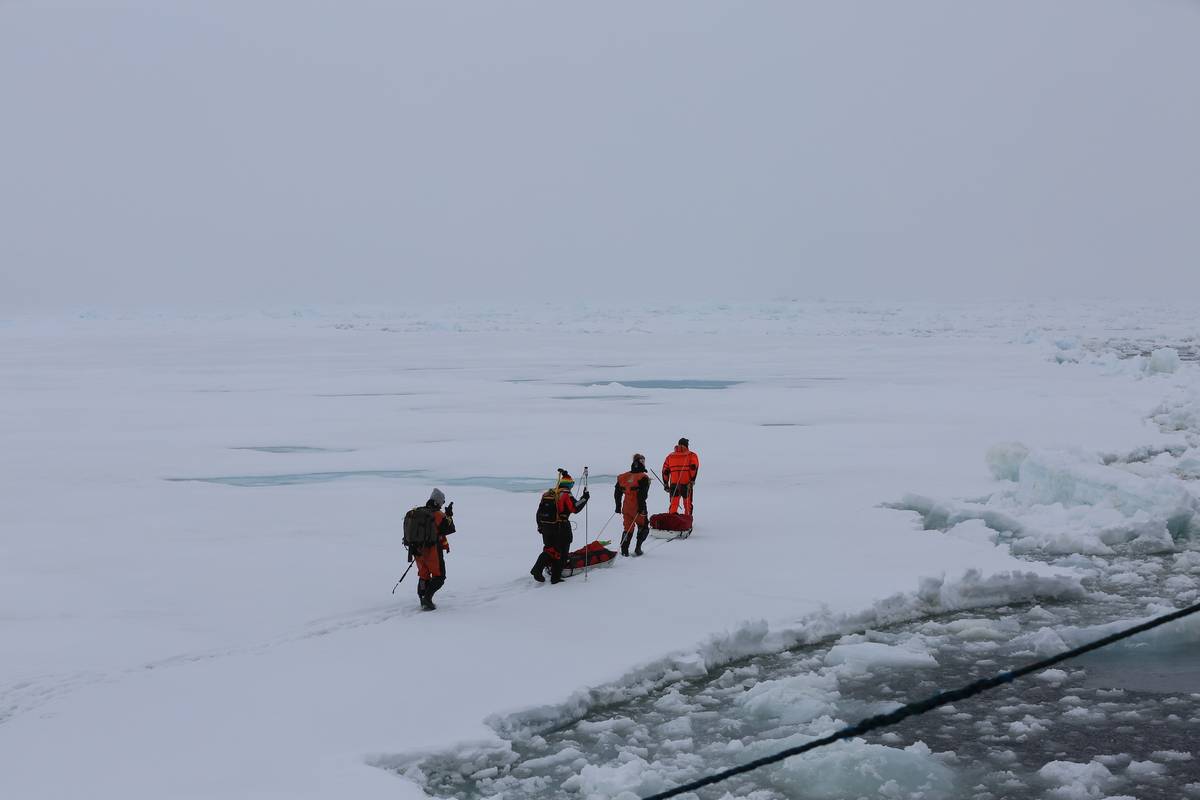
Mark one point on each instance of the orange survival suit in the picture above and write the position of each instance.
(679, 474)
(629, 496)
(431, 561)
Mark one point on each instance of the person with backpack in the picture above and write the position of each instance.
(679, 472)
(554, 524)
(629, 495)
(425, 530)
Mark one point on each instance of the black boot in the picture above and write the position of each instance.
(425, 596)
(431, 587)
(642, 534)
(538, 568)
(625, 537)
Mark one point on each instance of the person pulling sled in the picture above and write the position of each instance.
(630, 495)
(425, 530)
(554, 524)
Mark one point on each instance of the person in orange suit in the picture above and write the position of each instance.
(679, 476)
(630, 495)
(430, 552)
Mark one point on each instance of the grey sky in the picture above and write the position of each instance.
(249, 152)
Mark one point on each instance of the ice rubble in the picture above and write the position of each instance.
(1059, 502)
(1123, 358)
(1163, 360)
(934, 595)
(1068, 780)
(1184, 632)
(1072, 781)
(1179, 416)
(794, 700)
(762, 706)
(1048, 478)
(847, 769)
(864, 655)
(858, 769)
(1004, 460)
(807, 704)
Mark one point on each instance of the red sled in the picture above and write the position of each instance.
(594, 555)
(673, 524)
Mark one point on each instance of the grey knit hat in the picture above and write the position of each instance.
(437, 498)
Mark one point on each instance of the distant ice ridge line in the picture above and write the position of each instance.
(282, 449)
(1134, 324)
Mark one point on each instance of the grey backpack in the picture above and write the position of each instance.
(420, 528)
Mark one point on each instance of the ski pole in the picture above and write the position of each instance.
(660, 480)
(402, 577)
(586, 534)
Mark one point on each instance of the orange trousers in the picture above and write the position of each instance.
(629, 513)
(681, 491)
(431, 563)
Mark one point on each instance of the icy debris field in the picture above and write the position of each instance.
(1062, 734)
(200, 532)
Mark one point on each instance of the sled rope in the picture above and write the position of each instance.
(605, 527)
(662, 542)
(923, 706)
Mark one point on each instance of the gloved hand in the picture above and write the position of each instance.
(617, 509)
(450, 509)
(666, 488)
(586, 494)
(642, 510)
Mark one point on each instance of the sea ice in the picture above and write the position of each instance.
(1052, 676)
(858, 769)
(1163, 360)
(1004, 460)
(869, 655)
(1145, 770)
(1073, 781)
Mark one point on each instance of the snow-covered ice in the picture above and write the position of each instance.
(232, 633)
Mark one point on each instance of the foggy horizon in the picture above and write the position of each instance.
(229, 155)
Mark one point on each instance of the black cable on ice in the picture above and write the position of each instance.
(922, 706)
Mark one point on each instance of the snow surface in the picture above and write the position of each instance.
(196, 639)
